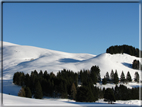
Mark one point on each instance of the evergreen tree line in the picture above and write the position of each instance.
(63, 85)
(120, 92)
(113, 77)
(92, 75)
(123, 49)
(90, 93)
(124, 93)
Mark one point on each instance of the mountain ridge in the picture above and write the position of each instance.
(28, 58)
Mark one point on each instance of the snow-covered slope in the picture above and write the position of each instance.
(108, 62)
(29, 58)
(20, 101)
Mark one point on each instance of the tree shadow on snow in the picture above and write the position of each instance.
(93, 104)
(127, 65)
(85, 103)
(68, 60)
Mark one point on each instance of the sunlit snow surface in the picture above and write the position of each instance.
(29, 58)
(9, 100)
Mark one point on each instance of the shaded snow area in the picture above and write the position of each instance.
(10, 88)
(28, 58)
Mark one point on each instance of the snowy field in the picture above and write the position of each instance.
(28, 58)
(9, 100)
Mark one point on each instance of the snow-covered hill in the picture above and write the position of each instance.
(29, 58)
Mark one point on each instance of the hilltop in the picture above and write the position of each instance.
(29, 58)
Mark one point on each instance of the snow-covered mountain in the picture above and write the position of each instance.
(29, 58)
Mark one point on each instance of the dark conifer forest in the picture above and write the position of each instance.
(77, 86)
(124, 49)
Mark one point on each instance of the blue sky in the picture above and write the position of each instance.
(72, 27)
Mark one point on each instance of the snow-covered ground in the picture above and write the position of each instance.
(111, 85)
(9, 100)
(29, 58)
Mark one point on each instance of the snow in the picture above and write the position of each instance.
(129, 85)
(10, 88)
(127, 102)
(9, 100)
(29, 58)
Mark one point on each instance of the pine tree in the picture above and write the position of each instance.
(35, 73)
(122, 77)
(84, 76)
(73, 91)
(28, 92)
(135, 64)
(52, 75)
(136, 77)
(109, 95)
(123, 92)
(112, 76)
(38, 91)
(44, 86)
(95, 74)
(40, 73)
(104, 81)
(21, 79)
(128, 77)
(14, 78)
(46, 75)
(96, 92)
(51, 86)
(21, 92)
(63, 88)
(107, 76)
(117, 93)
(116, 79)
(93, 77)
(84, 94)
(27, 80)
(18, 78)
